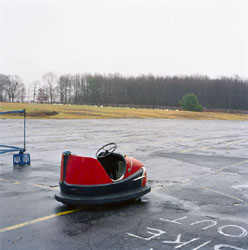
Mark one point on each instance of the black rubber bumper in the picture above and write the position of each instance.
(102, 199)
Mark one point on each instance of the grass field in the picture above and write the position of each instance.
(53, 111)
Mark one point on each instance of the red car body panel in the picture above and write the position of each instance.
(89, 171)
(84, 171)
(132, 166)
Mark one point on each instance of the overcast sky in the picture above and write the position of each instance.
(131, 37)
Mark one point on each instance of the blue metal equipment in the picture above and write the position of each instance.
(20, 159)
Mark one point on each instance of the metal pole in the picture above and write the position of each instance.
(24, 130)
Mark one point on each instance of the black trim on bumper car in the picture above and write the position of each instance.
(102, 199)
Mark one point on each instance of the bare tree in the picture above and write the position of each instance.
(34, 88)
(14, 87)
(21, 92)
(50, 79)
(4, 83)
(42, 95)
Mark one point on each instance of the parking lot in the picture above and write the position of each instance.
(198, 171)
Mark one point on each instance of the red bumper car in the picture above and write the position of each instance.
(110, 178)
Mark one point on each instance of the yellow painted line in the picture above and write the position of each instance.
(30, 184)
(208, 174)
(207, 147)
(216, 171)
(193, 149)
(3, 179)
(42, 186)
(230, 143)
(218, 192)
(230, 166)
(38, 220)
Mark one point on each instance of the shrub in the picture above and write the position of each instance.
(190, 102)
(41, 113)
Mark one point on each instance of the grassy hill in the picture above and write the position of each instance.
(57, 111)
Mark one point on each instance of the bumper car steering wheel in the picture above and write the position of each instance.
(106, 150)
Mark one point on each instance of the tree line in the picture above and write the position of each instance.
(144, 90)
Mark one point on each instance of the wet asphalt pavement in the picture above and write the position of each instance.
(198, 171)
